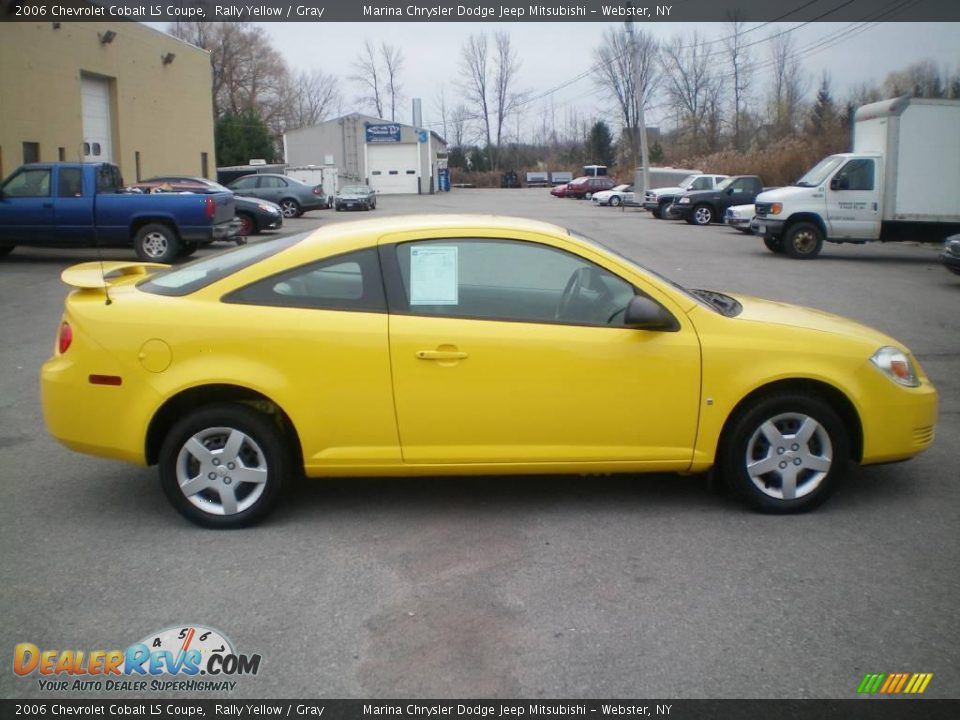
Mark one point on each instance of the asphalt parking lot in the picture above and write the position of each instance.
(630, 586)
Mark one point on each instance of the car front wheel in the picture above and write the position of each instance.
(802, 241)
(702, 215)
(615, 200)
(290, 208)
(786, 453)
(223, 466)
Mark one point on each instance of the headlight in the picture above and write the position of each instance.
(775, 208)
(268, 208)
(683, 201)
(896, 365)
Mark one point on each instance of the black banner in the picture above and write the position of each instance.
(642, 11)
(862, 709)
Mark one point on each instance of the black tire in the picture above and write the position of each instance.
(262, 449)
(817, 463)
(156, 242)
(188, 248)
(248, 224)
(615, 201)
(657, 213)
(337, 207)
(6, 250)
(702, 214)
(745, 231)
(774, 245)
(802, 241)
(290, 208)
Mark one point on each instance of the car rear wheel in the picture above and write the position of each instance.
(786, 453)
(6, 250)
(290, 208)
(248, 226)
(223, 466)
(702, 215)
(803, 241)
(156, 243)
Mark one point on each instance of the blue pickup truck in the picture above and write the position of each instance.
(83, 205)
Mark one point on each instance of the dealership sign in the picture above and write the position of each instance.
(383, 133)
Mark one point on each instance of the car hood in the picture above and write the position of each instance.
(778, 313)
(793, 192)
(666, 190)
(251, 202)
(695, 195)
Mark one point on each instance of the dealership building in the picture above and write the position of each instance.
(118, 92)
(392, 158)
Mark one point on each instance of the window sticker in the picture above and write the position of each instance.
(433, 275)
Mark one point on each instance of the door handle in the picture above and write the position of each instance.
(441, 355)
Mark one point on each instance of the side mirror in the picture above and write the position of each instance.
(644, 314)
(730, 191)
(840, 182)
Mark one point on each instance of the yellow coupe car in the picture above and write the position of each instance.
(456, 345)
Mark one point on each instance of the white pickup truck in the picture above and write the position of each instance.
(901, 182)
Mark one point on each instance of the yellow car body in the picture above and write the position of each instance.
(360, 392)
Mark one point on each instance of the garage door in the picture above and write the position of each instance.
(95, 104)
(393, 168)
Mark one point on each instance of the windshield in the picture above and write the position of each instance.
(687, 180)
(820, 172)
(354, 189)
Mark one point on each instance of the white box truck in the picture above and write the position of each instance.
(901, 182)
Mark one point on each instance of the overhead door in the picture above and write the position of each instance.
(95, 104)
(393, 168)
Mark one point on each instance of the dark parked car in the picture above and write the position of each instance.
(360, 197)
(951, 254)
(294, 197)
(706, 206)
(253, 215)
(586, 186)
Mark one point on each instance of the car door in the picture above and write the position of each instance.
(246, 186)
(271, 188)
(73, 214)
(496, 361)
(26, 206)
(853, 200)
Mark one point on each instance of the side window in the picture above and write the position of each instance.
(108, 179)
(509, 280)
(70, 182)
(29, 183)
(740, 186)
(346, 282)
(272, 182)
(702, 183)
(247, 183)
(856, 175)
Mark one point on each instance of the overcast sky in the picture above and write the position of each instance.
(552, 54)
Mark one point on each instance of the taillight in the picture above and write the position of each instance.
(318, 190)
(65, 337)
(211, 208)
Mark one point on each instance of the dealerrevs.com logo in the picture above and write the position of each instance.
(184, 658)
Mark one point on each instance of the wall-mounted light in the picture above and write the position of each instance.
(106, 37)
(167, 58)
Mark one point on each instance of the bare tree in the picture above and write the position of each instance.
(367, 74)
(459, 125)
(789, 85)
(312, 96)
(693, 88)
(475, 66)
(741, 73)
(440, 103)
(629, 74)
(392, 64)
(920, 79)
(505, 96)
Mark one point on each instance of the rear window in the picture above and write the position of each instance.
(198, 274)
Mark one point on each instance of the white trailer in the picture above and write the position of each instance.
(901, 182)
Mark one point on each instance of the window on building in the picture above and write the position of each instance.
(204, 166)
(31, 152)
(61, 154)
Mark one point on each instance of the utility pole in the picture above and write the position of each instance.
(637, 77)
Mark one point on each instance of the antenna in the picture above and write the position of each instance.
(96, 235)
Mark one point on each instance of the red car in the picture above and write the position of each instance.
(559, 190)
(585, 187)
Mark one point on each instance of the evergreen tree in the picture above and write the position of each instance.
(600, 144)
(241, 137)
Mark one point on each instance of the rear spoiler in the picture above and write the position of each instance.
(97, 275)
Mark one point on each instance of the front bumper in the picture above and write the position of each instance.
(951, 261)
(767, 227)
(737, 222)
